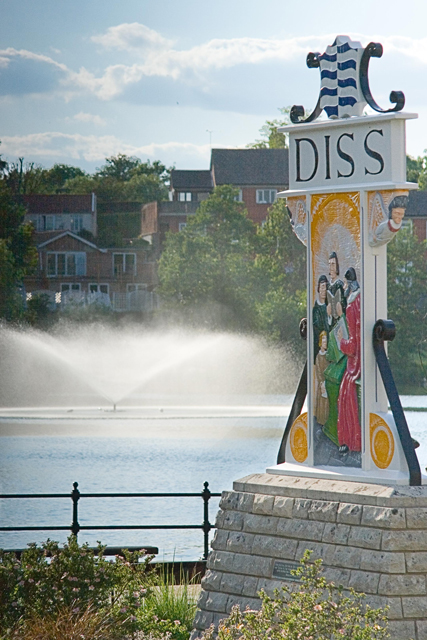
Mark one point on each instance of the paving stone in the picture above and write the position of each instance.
(400, 585)
(348, 557)
(216, 602)
(414, 607)
(416, 561)
(274, 547)
(233, 520)
(211, 581)
(301, 508)
(251, 565)
(263, 504)
(401, 630)
(349, 513)
(236, 501)
(239, 541)
(260, 524)
(323, 511)
(408, 540)
(283, 507)
(383, 517)
(336, 533)
(383, 561)
(395, 611)
(244, 603)
(220, 561)
(337, 575)
(294, 528)
(231, 583)
(421, 626)
(365, 537)
(219, 541)
(416, 518)
(320, 551)
(364, 581)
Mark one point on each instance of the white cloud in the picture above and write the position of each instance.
(89, 118)
(91, 148)
(134, 37)
(10, 53)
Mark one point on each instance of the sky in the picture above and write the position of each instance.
(84, 80)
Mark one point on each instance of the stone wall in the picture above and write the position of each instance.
(370, 537)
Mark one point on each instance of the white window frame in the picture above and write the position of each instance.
(70, 286)
(239, 197)
(76, 223)
(266, 196)
(98, 285)
(184, 196)
(79, 261)
(181, 226)
(123, 254)
(135, 286)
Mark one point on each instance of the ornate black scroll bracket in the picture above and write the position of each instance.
(375, 50)
(384, 330)
(298, 402)
(344, 84)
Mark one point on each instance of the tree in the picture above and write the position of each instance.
(221, 259)
(407, 307)
(210, 262)
(18, 256)
(271, 137)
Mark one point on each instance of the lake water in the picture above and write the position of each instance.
(160, 447)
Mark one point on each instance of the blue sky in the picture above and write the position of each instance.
(87, 79)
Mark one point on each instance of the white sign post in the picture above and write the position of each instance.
(347, 200)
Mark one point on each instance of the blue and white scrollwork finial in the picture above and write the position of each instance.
(344, 88)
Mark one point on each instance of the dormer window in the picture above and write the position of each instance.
(184, 196)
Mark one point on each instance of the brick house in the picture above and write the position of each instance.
(72, 267)
(62, 212)
(416, 213)
(258, 174)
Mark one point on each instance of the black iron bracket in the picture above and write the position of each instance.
(298, 402)
(384, 330)
(375, 50)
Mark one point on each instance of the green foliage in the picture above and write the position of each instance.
(169, 608)
(38, 312)
(48, 579)
(271, 137)
(221, 260)
(211, 259)
(407, 307)
(123, 178)
(18, 257)
(317, 610)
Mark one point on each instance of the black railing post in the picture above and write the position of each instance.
(206, 495)
(75, 496)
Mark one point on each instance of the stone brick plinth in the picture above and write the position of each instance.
(370, 537)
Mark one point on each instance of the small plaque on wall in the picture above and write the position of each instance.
(282, 570)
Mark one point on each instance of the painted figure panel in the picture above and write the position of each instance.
(336, 346)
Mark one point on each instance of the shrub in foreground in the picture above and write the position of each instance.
(50, 583)
(314, 610)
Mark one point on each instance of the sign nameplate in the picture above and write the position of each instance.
(282, 570)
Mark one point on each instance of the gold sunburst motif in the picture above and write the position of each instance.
(298, 438)
(382, 441)
(335, 226)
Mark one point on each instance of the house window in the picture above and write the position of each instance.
(70, 286)
(124, 263)
(70, 263)
(50, 223)
(184, 196)
(131, 287)
(239, 197)
(181, 226)
(99, 288)
(76, 223)
(266, 196)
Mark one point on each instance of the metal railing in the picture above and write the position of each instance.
(76, 495)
